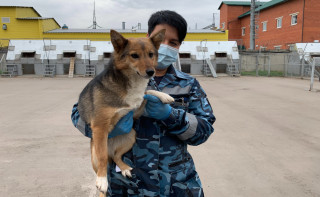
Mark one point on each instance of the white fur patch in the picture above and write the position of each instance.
(135, 94)
(102, 184)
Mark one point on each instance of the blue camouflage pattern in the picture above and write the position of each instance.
(162, 165)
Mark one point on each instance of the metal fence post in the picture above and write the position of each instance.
(257, 66)
(312, 75)
(269, 66)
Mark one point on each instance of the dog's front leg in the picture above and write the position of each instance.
(100, 140)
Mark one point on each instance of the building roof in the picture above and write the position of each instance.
(264, 5)
(39, 18)
(235, 3)
(95, 31)
(34, 18)
(122, 31)
(22, 7)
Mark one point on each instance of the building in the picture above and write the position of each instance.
(279, 23)
(26, 23)
(40, 46)
(23, 23)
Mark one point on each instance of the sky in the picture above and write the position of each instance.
(111, 13)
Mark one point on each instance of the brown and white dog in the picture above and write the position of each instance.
(112, 94)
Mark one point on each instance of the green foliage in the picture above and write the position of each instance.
(263, 73)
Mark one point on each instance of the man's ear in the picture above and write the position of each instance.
(118, 41)
(158, 37)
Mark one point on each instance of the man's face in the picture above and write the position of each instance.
(171, 38)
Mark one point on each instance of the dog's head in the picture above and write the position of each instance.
(138, 55)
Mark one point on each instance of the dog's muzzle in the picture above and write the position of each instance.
(150, 72)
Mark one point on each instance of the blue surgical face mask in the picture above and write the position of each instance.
(167, 56)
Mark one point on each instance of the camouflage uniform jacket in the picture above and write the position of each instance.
(162, 166)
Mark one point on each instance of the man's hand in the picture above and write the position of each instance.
(156, 109)
(124, 125)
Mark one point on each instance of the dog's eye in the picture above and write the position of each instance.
(150, 55)
(135, 56)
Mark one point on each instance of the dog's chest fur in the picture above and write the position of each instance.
(136, 92)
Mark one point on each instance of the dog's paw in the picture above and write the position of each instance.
(126, 172)
(165, 98)
(102, 184)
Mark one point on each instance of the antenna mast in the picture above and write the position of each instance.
(94, 24)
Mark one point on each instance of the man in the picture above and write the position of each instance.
(161, 164)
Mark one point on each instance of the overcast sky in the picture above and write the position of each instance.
(111, 13)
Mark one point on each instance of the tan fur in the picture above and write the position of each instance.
(102, 109)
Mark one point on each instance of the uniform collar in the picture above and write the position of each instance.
(171, 70)
(171, 75)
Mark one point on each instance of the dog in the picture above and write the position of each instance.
(113, 93)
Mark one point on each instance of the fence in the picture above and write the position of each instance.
(287, 64)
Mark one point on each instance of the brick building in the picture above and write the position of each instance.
(279, 23)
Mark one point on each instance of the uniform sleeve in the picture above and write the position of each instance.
(193, 126)
(79, 123)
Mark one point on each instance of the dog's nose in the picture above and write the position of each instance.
(150, 72)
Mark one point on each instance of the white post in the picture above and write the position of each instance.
(312, 74)
(269, 66)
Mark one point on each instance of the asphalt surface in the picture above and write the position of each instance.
(266, 140)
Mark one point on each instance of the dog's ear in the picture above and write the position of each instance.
(158, 37)
(118, 41)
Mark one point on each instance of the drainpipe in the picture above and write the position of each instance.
(304, 4)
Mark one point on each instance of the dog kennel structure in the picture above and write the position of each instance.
(89, 58)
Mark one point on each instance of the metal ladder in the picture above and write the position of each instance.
(232, 68)
(209, 69)
(11, 71)
(49, 70)
(90, 71)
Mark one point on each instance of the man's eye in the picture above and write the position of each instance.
(135, 56)
(150, 55)
(173, 44)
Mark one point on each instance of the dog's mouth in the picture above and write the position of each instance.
(144, 76)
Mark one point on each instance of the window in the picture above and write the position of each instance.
(279, 22)
(277, 47)
(106, 55)
(263, 48)
(69, 54)
(243, 31)
(28, 54)
(222, 25)
(184, 55)
(292, 47)
(220, 54)
(5, 19)
(294, 19)
(264, 26)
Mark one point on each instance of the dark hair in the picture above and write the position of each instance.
(170, 18)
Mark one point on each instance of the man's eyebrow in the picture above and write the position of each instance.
(175, 40)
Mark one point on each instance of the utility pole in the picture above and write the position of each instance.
(252, 25)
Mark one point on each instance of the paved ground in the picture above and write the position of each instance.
(266, 140)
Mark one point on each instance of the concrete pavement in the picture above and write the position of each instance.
(266, 140)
